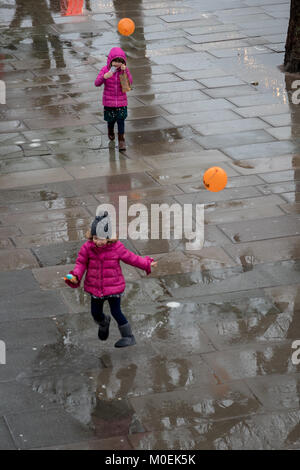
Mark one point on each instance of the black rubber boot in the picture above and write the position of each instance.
(103, 331)
(127, 337)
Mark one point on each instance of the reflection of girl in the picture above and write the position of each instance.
(71, 7)
(114, 100)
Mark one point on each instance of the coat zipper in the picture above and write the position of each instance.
(101, 286)
(116, 90)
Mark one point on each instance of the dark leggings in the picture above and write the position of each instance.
(115, 308)
(121, 125)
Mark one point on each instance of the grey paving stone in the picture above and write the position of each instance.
(203, 196)
(165, 98)
(16, 397)
(256, 99)
(231, 139)
(262, 110)
(262, 361)
(17, 282)
(197, 106)
(230, 92)
(184, 62)
(217, 36)
(230, 126)
(240, 51)
(46, 428)
(35, 333)
(31, 304)
(260, 150)
(60, 254)
(160, 408)
(231, 280)
(251, 433)
(206, 116)
(278, 392)
(13, 259)
(273, 227)
(221, 82)
(278, 120)
(6, 439)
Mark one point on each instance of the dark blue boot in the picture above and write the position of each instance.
(127, 337)
(103, 331)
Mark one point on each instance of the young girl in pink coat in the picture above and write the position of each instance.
(100, 256)
(114, 100)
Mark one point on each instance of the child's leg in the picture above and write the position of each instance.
(121, 126)
(97, 310)
(127, 338)
(100, 318)
(121, 130)
(110, 128)
(115, 308)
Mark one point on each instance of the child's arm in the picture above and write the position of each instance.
(100, 79)
(134, 260)
(80, 267)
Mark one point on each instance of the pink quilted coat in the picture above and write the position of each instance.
(113, 95)
(104, 274)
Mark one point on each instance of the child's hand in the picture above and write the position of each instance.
(108, 75)
(153, 264)
(74, 280)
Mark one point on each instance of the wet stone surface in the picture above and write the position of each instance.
(212, 367)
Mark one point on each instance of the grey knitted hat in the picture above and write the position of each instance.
(101, 226)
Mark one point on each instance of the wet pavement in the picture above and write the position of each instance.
(212, 368)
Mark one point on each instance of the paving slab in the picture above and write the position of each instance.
(250, 433)
(46, 428)
(233, 138)
(6, 438)
(261, 360)
(196, 405)
(273, 227)
(13, 259)
(278, 391)
(266, 165)
(31, 304)
(261, 150)
(230, 126)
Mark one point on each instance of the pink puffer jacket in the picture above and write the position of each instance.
(104, 274)
(113, 95)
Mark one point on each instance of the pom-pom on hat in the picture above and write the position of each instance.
(101, 226)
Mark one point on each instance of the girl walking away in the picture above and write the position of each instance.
(114, 100)
(100, 256)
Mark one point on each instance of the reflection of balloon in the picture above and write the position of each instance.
(126, 26)
(215, 179)
(71, 7)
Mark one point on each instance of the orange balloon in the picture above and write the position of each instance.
(215, 179)
(126, 26)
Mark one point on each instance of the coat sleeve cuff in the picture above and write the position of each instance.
(148, 268)
(71, 284)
